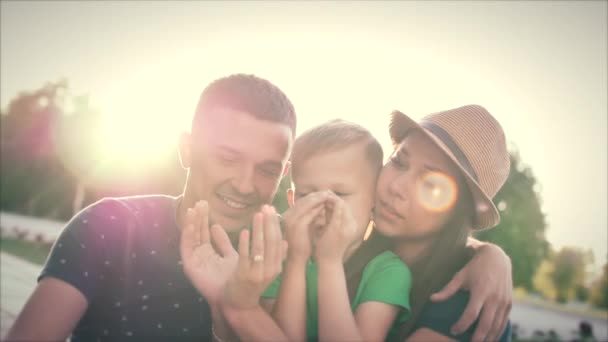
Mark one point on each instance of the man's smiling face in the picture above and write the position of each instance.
(236, 164)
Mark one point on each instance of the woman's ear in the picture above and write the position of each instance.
(185, 150)
(290, 197)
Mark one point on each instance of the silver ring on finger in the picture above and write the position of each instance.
(258, 258)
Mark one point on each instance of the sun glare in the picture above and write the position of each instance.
(141, 122)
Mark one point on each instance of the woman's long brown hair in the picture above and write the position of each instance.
(431, 271)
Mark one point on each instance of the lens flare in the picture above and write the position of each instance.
(437, 191)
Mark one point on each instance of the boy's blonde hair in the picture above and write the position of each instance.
(334, 135)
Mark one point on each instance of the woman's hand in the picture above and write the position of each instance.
(258, 268)
(207, 269)
(488, 278)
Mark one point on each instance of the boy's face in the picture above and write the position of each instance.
(348, 173)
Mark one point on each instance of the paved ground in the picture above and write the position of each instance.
(31, 227)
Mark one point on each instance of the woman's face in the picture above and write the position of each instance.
(416, 191)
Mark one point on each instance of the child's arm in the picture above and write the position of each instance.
(290, 308)
(374, 317)
(371, 321)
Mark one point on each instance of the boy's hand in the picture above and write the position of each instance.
(207, 269)
(297, 221)
(339, 234)
(258, 268)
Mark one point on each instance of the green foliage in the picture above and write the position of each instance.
(31, 251)
(569, 272)
(33, 180)
(50, 160)
(521, 232)
(599, 290)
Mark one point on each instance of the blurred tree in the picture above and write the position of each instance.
(542, 281)
(33, 179)
(51, 163)
(569, 272)
(599, 290)
(521, 232)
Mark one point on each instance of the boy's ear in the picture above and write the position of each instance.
(290, 197)
(185, 150)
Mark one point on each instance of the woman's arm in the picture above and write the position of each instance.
(488, 277)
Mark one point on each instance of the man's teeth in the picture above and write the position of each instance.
(233, 204)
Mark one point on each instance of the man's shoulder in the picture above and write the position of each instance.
(118, 207)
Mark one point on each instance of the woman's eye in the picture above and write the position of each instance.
(341, 194)
(398, 163)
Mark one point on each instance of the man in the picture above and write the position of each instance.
(116, 273)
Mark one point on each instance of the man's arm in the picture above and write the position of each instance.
(488, 277)
(50, 314)
(63, 292)
(253, 324)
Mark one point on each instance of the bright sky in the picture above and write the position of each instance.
(539, 67)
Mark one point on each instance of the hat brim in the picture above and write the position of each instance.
(486, 214)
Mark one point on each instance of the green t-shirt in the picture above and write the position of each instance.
(385, 279)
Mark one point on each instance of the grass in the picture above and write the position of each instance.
(28, 250)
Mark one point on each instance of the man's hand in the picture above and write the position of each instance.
(254, 273)
(297, 221)
(488, 278)
(340, 233)
(207, 269)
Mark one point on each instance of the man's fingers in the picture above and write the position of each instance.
(271, 239)
(221, 240)
(203, 221)
(284, 248)
(244, 250)
(257, 247)
(188, 239)
(470, 314)
(450, 288)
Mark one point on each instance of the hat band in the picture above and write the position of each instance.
(449, 142)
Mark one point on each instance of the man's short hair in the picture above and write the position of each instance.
(335, 135)
(246, 93)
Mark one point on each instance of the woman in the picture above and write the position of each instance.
(437, 188)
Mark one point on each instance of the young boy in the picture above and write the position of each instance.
(344, 159)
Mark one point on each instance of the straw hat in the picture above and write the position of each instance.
(475, 141)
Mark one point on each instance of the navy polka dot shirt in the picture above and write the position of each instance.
(123, 255)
